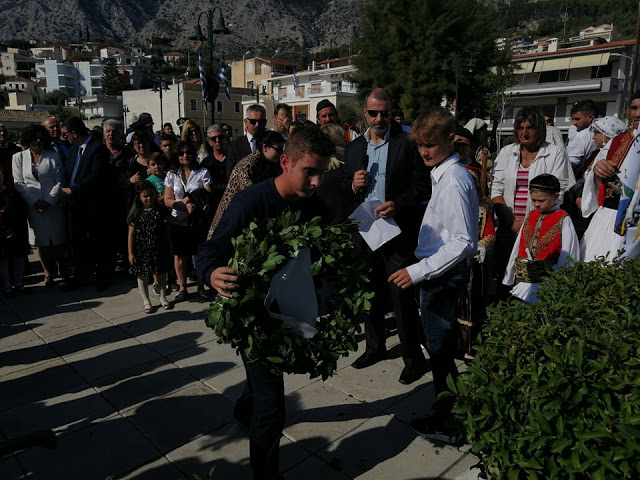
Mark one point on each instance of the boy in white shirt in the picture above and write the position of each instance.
(447, 242)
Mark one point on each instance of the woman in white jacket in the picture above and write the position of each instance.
(37, 174)
(514, 166)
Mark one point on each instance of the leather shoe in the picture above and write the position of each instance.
(367, 359)
(413, 373)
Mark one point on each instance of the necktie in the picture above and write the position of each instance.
(253, 145)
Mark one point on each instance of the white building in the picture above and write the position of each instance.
(182, 100)
(555, 80)
(328, 79)
(134, 62)
(77, 78)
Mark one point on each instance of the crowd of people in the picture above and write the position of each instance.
(472, 230)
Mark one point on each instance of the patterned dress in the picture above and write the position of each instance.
(151, 244)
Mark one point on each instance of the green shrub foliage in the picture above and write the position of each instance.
(554, 391)
(260, 251)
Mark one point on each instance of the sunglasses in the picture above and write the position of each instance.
(253, 121)
(193, 130)
(277, 149)
(183, 153)
(217, 138)
(375, 113)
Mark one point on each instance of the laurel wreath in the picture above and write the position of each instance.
(260, 251)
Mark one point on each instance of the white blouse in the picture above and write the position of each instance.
(197, 179)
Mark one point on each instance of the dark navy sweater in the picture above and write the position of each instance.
(255, 203)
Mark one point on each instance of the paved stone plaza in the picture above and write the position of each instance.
(131, 395)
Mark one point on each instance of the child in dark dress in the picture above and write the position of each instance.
(149, 243)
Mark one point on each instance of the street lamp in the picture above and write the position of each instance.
(125, 110)
(257, 92)
(220, 29)
(159, 86)
(458, 58)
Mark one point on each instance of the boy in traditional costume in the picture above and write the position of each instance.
(546, 241)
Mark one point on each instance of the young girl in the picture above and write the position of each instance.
(149, 243)
(545, 242)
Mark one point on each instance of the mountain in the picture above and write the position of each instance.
(307, 23)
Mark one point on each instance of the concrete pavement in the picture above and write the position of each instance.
(137, 396)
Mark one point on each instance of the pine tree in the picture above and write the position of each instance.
(404, 44)
(111, 84)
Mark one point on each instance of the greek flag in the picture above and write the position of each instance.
(222, 76)
(203, 80)
(295, 82)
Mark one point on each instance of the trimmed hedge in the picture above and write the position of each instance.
(554, 391)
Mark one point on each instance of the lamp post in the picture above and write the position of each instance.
(220, 29)
(458, 58)
(257, 92)
(125, 110)
(160, 86)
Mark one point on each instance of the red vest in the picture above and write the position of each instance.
(543, 240)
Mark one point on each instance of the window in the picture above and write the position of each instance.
(218, 106)
(237, 107)
(282, 92)
(194, 104)
(263, 68)
(315, 88)
(249, 67)
(602, 71)
(336, 86)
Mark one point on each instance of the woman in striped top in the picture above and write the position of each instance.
(515, 165)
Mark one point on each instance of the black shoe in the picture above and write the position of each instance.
(181, 296)
(437, 428)
(412, 373)
(367, 359)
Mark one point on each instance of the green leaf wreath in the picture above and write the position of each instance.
(260, 251)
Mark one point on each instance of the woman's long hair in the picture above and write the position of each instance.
(201, 149)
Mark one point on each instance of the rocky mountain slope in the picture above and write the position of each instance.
(253, 22)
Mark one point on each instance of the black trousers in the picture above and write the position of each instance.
(92, 243)
(264, 396)
(384, 262)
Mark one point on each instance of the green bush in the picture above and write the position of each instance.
(554, 391)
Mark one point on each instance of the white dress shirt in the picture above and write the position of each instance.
(581, 147)
(449, 230)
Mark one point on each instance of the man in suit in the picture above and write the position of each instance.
(53, 127)
(87, 190)
(383, 163)
(255, 121)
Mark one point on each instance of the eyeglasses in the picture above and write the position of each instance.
(375, 113)
(277, 149)
(183, 153)
(217, 138)
(193, 130)
(253, 121)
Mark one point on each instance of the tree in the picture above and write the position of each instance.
(405, 43)
(111, 83)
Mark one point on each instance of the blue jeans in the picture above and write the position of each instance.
(438, 301)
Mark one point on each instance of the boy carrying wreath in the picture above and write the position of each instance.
(304, 162)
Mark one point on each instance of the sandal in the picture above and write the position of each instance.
(166, 305)
(148, 308)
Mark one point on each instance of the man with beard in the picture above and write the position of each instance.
(384, 164)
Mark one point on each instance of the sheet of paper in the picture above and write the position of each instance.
(375, 231)
(293, 288)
